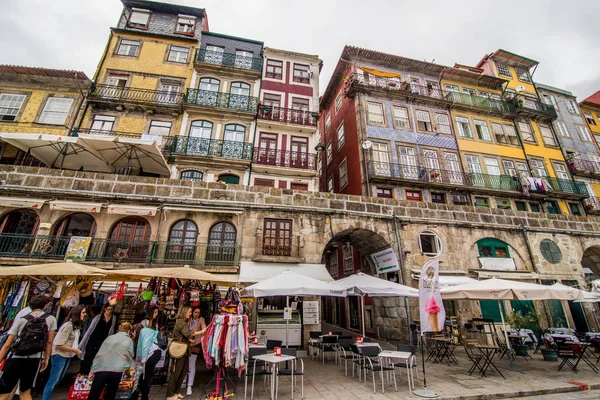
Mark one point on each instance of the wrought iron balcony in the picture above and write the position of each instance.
(31, 246)
(136, 95)
(283, 245)
(287, 115)
(287, 159)
(592, 205)
(110, 250)
(563, 185)
(499, 182)
(101, 132)
(480, 102)
(536, 107)
(393, 85)
(578, 166)
(195, 146)
(229, 60)
(195, 253)
(415, 173)
(209, 98)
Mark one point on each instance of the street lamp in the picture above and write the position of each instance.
(319, 148)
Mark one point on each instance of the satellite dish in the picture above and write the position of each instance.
(367, 144)
(520, 89)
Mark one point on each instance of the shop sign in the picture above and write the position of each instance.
(385, 261)
(76, 206)
(78, 248)
(132, 210)
(310, 312)
(21, 203)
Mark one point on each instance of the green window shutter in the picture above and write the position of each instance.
(494, 244)
(491, 310)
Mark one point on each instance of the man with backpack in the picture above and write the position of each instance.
(29, 344)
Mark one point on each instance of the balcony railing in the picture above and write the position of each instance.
(30, 246)
(108, 92)
(592, 204)
(229, 60)
(565, 186)
(500, 182)
(287, 159)
(584, 166)
(415, 173)
(196, 146)
(537, 106)
(210, 98)
(278, 246)
(481, 102)
(195, 253)
(287, 115)
(111, 250)
(394, 85)
(101, 132)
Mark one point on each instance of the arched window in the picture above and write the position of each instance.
(191, 175)
(198, 140)
(234, 133)
(228, 178)
(79, 224)
(129, 240)
(239, 96)
(182, 241)
(430, 244)
(207, 94)
(210, 84)
(221, 244)
(17, 230)
(490, 247)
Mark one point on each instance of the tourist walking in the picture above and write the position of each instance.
(102, 326)
(113, 358)
(64, 348)
(182, 334)
(197, 323)
(30, 345)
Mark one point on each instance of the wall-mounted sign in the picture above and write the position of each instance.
(498, 264)
(78, 248)
(385, 261)
(75, 206)
(132, 210)
(310, 312)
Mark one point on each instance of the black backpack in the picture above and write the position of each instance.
(33, 336)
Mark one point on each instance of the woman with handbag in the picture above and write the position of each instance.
(101, 327)
(180, 351)
(196, 324)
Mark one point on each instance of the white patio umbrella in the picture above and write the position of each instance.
(361, 284)
(66, 152)
(120, 152)
(501, 289)
(288, 283)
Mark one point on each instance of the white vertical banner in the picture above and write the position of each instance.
(431, 307)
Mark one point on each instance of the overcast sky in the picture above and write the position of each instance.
(562, 35)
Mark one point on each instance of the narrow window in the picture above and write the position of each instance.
(128, 48)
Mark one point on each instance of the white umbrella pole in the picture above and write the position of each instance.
(287, 304)
(362, 304)
(505, 334)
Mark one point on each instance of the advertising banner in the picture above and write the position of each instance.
(385, 261)
(78, 248)
(431, 307)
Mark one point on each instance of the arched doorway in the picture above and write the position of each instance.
(129, 240)
(17, 232)
(221, 243)
(182, 241)
(79, 224)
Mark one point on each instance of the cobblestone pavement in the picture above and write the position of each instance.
(534, 377)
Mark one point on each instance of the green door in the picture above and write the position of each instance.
(491, 310)
(556, 313)
(232, 179)
(578, 316)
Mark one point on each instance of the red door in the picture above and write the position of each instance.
(299, 152)
(267, 149)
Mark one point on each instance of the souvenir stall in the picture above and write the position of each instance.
(225, 345)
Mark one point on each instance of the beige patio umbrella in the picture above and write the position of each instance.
(53, 269)
(176, 272)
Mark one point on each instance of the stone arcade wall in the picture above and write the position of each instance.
(318, 217)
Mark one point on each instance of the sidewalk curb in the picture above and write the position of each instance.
(525, 393)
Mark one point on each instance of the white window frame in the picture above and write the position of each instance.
(424, 121)
(547, 97)
(539, 168)
(560, 170)
(562, 128)
(100, 123)
(139, 15)
(492, 166)
(178, 54)
(443, 123)
(483, 130)
(464, 127)
(56, 110)
(572, 107)
(125, 47)
(330, 185)
(527, 134)
(470, 162)
(372, 114)
(547, 136)
(437, 244)
(584, 133)
(327, 121)
(338, 102)
(522, 168)
(329, 153)
(343, 174)
(401, 121)
(185, 24)
(341, 137)
(509, 167)
(10, 106)
(160, 127)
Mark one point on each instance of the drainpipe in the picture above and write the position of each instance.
(532, 259)
(402, 278)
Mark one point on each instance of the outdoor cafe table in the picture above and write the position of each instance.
(488, 353)
(583, 346)
(441, 350)
(403, 355)
(273, 359)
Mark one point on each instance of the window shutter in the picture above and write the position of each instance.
(139, 17)
(510, 130)
(443, 122)
(423, 116)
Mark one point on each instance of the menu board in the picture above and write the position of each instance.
(310, 312)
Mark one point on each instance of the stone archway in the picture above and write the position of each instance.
(591, 260)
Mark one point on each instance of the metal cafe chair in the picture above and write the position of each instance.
(313, 343)
(368, 365)
(475, 358)
(271, 344)
(328, 345)
(258, 368)
(293, 371)
(344, 350)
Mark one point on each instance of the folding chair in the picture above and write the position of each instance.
(475, 358)
(258, 368)
(293, 371)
